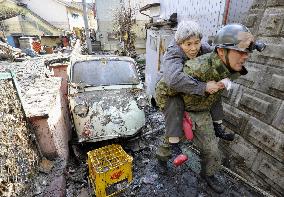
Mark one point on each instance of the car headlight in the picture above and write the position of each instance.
(81, 110)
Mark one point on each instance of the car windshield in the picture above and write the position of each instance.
(105, 72)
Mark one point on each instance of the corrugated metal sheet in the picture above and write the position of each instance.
(209, 14)
(168, 7)
(238, 9)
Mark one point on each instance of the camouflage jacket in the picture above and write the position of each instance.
(171, 70)
(208, 67)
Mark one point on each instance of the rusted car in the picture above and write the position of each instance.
(106, 98)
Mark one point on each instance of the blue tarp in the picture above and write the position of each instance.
(10, 41)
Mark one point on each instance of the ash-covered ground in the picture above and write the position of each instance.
(148, 178)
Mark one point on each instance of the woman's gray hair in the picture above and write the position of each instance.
(186, 30)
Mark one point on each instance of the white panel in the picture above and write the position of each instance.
(157, 42)
(51, 11)
(152, 59)
(168, 7)
(209, 14)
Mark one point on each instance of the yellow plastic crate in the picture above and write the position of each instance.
(110, 170)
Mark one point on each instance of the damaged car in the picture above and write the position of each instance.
(106, 98)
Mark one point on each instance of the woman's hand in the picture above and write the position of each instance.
(213, 87)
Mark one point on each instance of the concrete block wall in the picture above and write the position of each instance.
(255, 108)
(60, 70)
(44, 136)
(59, 126)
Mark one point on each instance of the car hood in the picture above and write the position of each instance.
(112, 113)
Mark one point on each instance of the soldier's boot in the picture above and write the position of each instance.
(165, 152)
(220, 132)
(214, 183)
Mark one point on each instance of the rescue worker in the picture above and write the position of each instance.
(187, 45)
(233, 42)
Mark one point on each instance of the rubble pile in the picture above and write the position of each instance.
(37, 88)
(18, 155)
(38, 98)
(58, 59)
(8, 12)
(28, 72)
(8, 52)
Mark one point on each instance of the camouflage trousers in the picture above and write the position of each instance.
(206, 142)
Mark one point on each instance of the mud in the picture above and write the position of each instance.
(148, 178)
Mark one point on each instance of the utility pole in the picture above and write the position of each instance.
(88, 40)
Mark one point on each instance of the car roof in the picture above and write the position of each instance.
(81, 58)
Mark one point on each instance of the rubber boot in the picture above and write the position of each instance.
(164, 150)
(212, 181)
(215, 184)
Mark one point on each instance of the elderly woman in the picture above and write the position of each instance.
(186, 45)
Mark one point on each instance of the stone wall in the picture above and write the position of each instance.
(255, 108)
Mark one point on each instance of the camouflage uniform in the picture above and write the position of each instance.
(208, 67)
